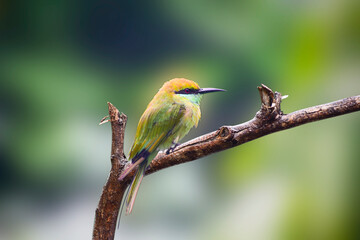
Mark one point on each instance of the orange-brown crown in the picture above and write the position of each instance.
(177, 84)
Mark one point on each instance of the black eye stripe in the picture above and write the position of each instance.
(187, 91)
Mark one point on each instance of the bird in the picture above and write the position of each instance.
(169, 116)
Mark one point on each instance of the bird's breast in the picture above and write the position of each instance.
(192, 115)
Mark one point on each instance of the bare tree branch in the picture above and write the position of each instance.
(268, 119)
(113, 192)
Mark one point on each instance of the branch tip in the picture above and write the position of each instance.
(266, 95)
(270, 103)
(112, 109)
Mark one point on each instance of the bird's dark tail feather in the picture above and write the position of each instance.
(137, 160)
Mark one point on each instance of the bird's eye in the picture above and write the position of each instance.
(187, 90)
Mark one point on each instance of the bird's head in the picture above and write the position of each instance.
(184, 89)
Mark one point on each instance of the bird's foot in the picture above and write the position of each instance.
(171, 149)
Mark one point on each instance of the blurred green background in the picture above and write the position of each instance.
(62, 60)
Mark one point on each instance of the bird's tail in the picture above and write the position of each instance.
(135, 187)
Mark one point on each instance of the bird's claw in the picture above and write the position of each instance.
(171, 149)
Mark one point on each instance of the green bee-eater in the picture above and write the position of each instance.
(170, 115)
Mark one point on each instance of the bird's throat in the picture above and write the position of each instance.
(193, 98)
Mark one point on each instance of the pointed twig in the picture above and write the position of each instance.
(104, 120)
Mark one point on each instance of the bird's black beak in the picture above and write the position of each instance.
(209, 90)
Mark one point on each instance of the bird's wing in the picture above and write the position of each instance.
(155, 126)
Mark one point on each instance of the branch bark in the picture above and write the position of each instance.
(113, 191)
(268, 119)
